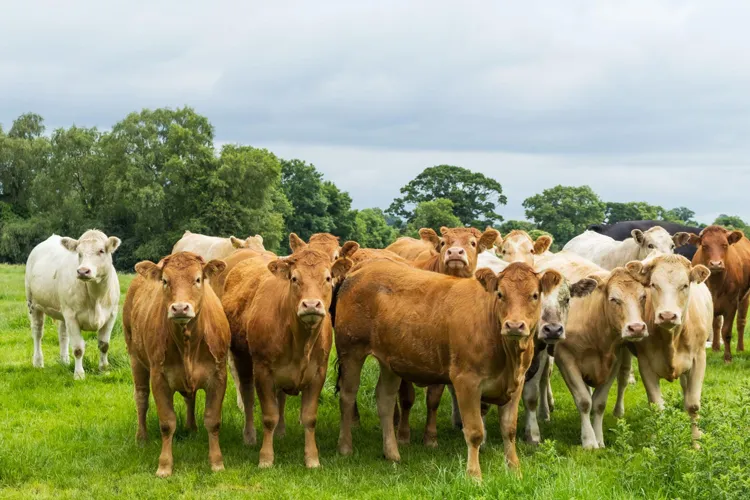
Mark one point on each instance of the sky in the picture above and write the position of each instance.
(643, 100)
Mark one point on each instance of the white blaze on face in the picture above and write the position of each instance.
(518, 248)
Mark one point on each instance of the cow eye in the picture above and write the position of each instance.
(294, 279)
(499, 295)
(671, 247)
(328, 279)
(532, 250)
(164, 282)
(567, 301)
(685, 287)
(535, 296)
(614, 300)
(473, 243)
(650, 245)
(101, 252)
(198, 280)
(442, 243)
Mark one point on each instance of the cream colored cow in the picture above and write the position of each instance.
(213, 247)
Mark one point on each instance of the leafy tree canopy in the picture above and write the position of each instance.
(565, 211)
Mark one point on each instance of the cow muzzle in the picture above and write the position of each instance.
(181, 312)
(455, 257)
(668, 319)
(716, 266)
(311, 310)
(515, 329)
(551, 333)
(85, 273)
(635, 332)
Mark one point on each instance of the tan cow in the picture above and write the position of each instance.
(517, 246)
(213, 247)
(598, 326)
(357, 255)
(679, 313)
(281, 337)
(324, 242)
(434, 329)
(412, 249)
(177, 337)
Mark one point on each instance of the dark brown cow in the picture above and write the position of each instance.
(177, 337)
(433, 329)
(727, 256)
(281, 337)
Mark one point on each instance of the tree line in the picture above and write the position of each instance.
(158, 173)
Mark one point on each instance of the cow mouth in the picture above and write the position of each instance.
(716, 269)
(552, 340)
(668, 325)
(311, 316)
(85, 279)
(634, 337)
(515, 334)
(455, 263)
(181, 320)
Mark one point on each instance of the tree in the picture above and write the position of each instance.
(473, 195)
(634, 210)
(303, 187)
(433, 214)
(565, 211)
(372, 229)
(340, 212)
(683, 215)
(521, 225)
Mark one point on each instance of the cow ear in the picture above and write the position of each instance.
(214, 267)
(341, 267)
(349, 248)
(113, 243)
(542, 244)
(149, 270)
(694, 239)
(296, 243)
(430, 236)
(637, 235)
(549, 280)
(259, 238)
(600, 278)
(681, 238)
(69, 243)
(734, 237)
(281, 268)
(487, 278)
(444, 230)
(640, 272)
(583, 287)
(237, 243)
(699, 273)
(488, 239)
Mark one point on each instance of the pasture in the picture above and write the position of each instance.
(66, 439)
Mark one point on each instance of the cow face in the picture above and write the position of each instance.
(183, 278)
(556, 305)
(311, 276)
(459, 248)
(655, 240)
(625, 302)
(669, 278)
(519, 247)
(517, 291)
(323, 242)
(94, 252)
(713, 244)
(251, 242)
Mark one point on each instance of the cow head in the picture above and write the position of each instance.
(669, 278)
(324, 242)
(251, 242)
(459, 247)
(657, 240)
(556, 306)
(714, 243)
(624, 302)
(517, 292)
(519, 247)
(183, 278)
(94, 251)
(311, 277)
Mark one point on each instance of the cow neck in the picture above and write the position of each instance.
(719, 283)
(510, 349)
(304, 336)
(98, 288)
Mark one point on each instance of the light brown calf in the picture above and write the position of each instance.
(412, 249)
(213, 247)
(281, 337)
(433, 329)
(517, 246)
(177, 337)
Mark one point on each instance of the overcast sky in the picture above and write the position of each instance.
(642, 100)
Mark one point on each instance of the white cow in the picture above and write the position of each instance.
(74, 282)
(517, 246)
(213, 247)
(609, 253)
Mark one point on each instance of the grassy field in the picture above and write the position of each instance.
(66, 439)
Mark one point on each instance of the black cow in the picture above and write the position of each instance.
(621, 231)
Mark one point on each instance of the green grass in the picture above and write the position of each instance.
(66, 439)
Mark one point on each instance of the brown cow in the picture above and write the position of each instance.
(177, 337)
(727, 256)
(412, 249)
(357, 255)
(281, 337)
(324, 242)
(433, 329)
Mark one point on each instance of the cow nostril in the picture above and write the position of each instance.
(552, 329)
(461, 252)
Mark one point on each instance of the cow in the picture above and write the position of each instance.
(727, 255)
(609, 253)
(592, 352)
(324, 242)
(73, 282)
(622, 230)
(416, 249)
(213, 247)
(357, 255)
(429, 328)
(281, 337)
(178, 338)
(517, 246)
(679, 314)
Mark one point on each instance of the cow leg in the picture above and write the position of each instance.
(623, 379)
(386, 392)
(742, 321)
(164, 398)
(36, 318)
(581, 395)
(434, 393)
(243, 364)
(455, 412)
(212, 418)
(236, 378)
(726, 332)
(141, 379)
(469, 402)
(531, 400)
(546, 400)
(691, 389)
(599, 398)
(78, 345)
(309, 414)
(104, 335)
(406, 398)
(716, 342)
(269, 407)
(651, 383)
(350, 370)
(189, 398)
(280, 431)
(62, 338)
(508, 420)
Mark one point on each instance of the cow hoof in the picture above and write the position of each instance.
(727, 359)
(312, 463)
(618, 412)
(345, 450)
(65, 360)
(104, 367)
(431, 442)
(601, 445)
(250, 440)
(217, 467)
(141, 437)
(79, 375)
(38, 362)
(475, 474)
(392, 457)
(265, 463)
(532, 440)
(164, 471)
(590, 446)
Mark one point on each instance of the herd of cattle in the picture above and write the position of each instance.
(484, 314)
